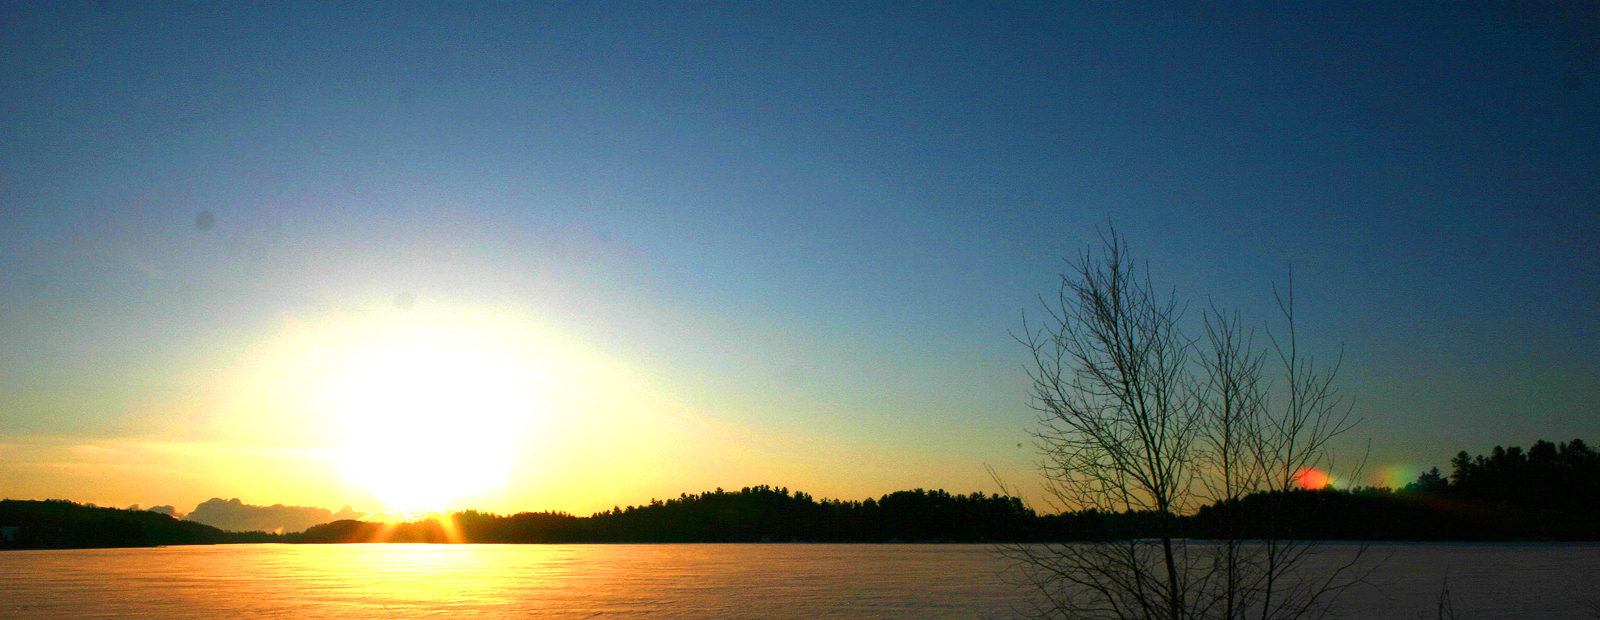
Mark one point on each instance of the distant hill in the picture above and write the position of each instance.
(236, 516)
(60, 524)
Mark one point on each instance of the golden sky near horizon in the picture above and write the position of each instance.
(448, 407)
(565, 256)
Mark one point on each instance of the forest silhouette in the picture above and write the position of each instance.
(1548, 492)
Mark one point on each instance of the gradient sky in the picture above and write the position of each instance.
(726, 244)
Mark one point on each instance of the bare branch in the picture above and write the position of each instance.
(1136, 417)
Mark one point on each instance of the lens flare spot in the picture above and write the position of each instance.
(1398, 476)
(1311, 478)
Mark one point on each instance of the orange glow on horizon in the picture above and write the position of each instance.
(1311, 478)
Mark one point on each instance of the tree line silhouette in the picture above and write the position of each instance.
(60, 524)
(751, 514)
(1548, 492)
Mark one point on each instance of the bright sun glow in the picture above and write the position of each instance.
(427, 419)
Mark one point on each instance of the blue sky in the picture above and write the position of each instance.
(810, 226)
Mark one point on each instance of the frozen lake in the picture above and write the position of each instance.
(777, 581)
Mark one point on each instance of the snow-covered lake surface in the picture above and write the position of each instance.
(778, 581)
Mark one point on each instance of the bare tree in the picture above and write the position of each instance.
(1135, 416)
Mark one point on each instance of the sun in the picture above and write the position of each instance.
(427, 419)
